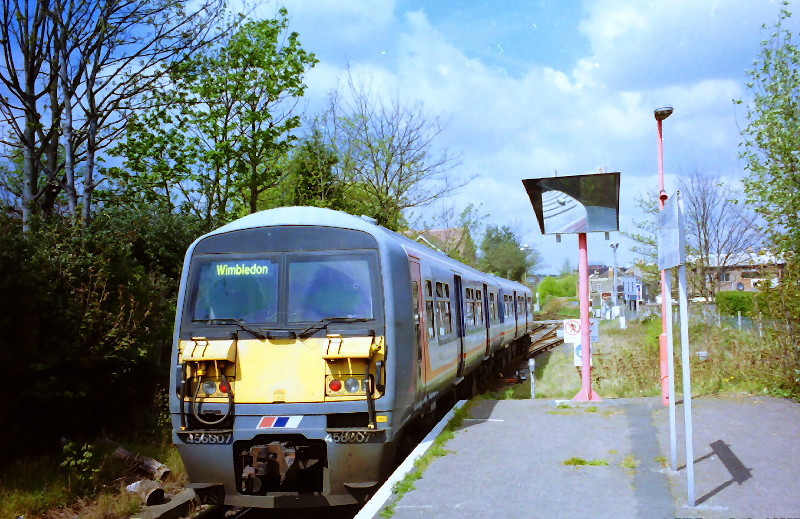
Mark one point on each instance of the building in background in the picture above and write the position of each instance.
(631, 290)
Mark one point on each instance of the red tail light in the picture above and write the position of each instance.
(335, 385)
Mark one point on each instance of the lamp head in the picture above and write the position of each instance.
(662, 113)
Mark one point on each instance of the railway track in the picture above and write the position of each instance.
(544, 337)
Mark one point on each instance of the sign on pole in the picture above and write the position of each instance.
(671, 251)
(572, 335)
(572, 330)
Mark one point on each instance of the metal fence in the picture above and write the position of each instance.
(707, 313)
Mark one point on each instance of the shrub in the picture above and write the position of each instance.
(87, 316)
(563, 286)
(731, 303)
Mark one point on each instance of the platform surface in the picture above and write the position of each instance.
(508, 460)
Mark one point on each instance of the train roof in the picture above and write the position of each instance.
(299, 215)
(303, 215)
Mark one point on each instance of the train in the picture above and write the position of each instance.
(312, 346)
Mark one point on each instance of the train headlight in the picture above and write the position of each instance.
(209, 387)
(335, 385)
(352, 385)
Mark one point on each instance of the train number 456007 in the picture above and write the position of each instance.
(208, 438)
(349, 436)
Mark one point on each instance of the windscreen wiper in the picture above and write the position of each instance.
(228, 320)
(323, 323)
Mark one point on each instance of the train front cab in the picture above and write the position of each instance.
(271, 401)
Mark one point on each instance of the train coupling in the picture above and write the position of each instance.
(266, 461)
(282, 466)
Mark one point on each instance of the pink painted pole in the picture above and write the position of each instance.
(665, 297)
(586, 394)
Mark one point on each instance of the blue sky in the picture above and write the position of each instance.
(526, 88)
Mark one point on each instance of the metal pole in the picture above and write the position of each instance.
(687, 385)
(586, 394)
(614, 288)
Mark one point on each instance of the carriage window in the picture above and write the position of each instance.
(470, 314)
(443, 309)
(470, 310)
(492, 307)
(431, 323)
(444, 319)
(428, 288)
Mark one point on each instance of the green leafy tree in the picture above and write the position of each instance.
(452, 233)
(771, 139)
(222, 123)
(310, 175)
(101, 298)
(503, 254)
(70, 71)
(770, 148)
(563, 286)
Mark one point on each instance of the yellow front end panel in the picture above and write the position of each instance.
(280, 371)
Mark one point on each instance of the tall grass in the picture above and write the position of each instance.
(556, 375)
(736, 361)
(743, 361)
(626, 363)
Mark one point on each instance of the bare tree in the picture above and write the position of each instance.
(24, 36)
(386, 149)
(720, 230)
(72, 69)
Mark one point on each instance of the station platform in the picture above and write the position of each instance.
(524, 459)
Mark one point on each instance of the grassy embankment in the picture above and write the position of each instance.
(83, 481)
(626, 363)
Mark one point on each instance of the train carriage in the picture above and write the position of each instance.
(309, 344)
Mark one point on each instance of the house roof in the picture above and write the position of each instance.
(748, 258)
(442, 239)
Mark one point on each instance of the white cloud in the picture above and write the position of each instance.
(593, 112)
(651, 44)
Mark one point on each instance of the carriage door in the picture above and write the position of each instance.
(459, 310)
(486, 316)
(420, 327)
(515, 304)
